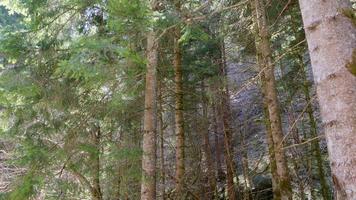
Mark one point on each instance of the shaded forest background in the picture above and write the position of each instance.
(134, 99)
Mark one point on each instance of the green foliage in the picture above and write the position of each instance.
(27, 187)
(351, 14)
(194, 33)
(128, 16)
(58, 82)
(71, 67)
(351, 65)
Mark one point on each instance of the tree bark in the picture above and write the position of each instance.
(226, 119)
(148, 185)
(331, 42)
(325, 190)
(96, 189)
(217, 142)
(207, 146)
(161, 134)
(247, 193)
(179, 121)
(266, 65)
(270, 142)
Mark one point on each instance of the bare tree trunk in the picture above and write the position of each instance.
(226, 119)
(207, 147)
(148, 185)
(179, 121)
(272, 156)
(245, 165)
(325, 190)
(331, 40)
(267, 122)
(217, 142)
(270, 142)
(271, 99)
(96, 189)
(161, 134)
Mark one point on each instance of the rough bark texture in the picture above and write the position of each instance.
(161, 134)
(272, 157)
(271, 99)
(226, 119)
(325, 190)
(331, 41)
(267, 122)
(270, 142)
(148, 185)
(179, 125)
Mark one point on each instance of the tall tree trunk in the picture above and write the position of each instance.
(207, 146)
(267, 122)
(271, 99)
(272, 155)
(161, 134)
(226, 119)
(331, 42)
(315, 147)
(217, 142)
(148, 185)
(179, 121)
(245, 165)
(325, 190)
(96, 189)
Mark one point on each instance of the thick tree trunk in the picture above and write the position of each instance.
(325, 190)
(179, 121)
(148, 185)
(271, 99)
(332, 40)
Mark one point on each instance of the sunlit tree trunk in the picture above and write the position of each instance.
(270, 142)
(148, 185)
(315, 147)
(179, 121)
(325, 189)
(270, 95)
(331, 40)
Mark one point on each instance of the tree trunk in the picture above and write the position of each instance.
(217, 143)
(148, 185)
(245, 165)
(325, 190)
(179, 121)
(331, 42)
(161, 134)
(271, 99)
(96, 189)
(270, 142)
(226, 119)
(207, 147)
